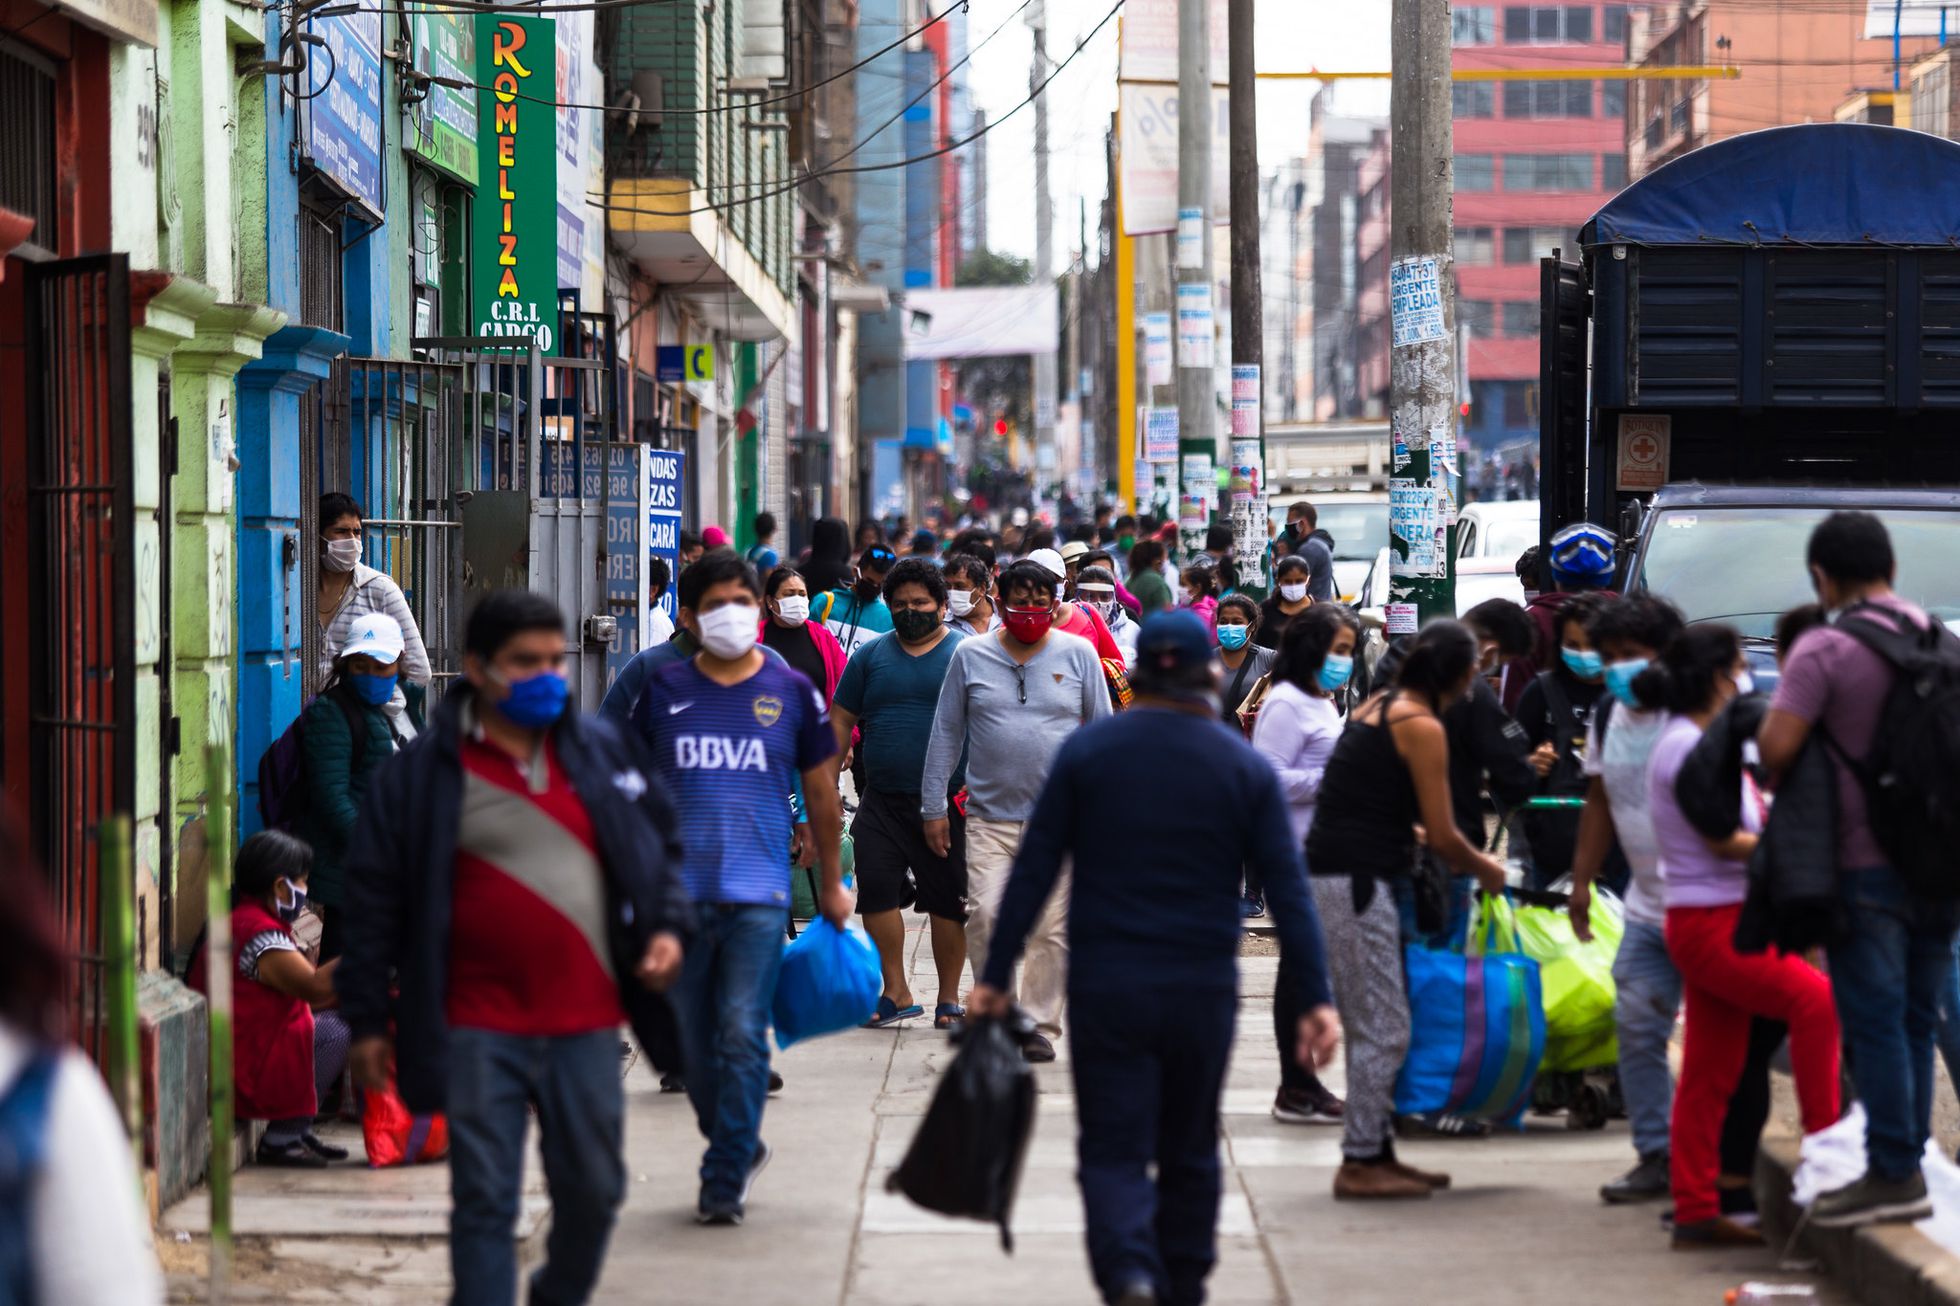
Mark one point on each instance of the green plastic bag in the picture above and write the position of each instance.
(1577, 981)
(803, 883)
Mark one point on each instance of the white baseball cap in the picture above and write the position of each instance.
(1051, 560)
(377, 635)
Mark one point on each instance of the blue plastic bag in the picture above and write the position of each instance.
(829, 981)
(1477, 1026)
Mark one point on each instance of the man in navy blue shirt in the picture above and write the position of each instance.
(1153, 931)
(730, 732)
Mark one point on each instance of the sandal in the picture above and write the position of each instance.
(890, 1013)
(948, 1015)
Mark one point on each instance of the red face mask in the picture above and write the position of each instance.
(1028, 624)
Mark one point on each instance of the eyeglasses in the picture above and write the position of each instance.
(1021, 675)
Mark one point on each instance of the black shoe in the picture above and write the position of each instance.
(672, 1084)
(321, 1148)
(1440, 1124)
(1252, 905)
(775, 1083)
(292, 1156)
(1738, 1204)
(1141, 1292)
(719, 1214)
(1872, 1200)
(1647, 1181)
(1303, 1106)
(1036, 1048)
(763, 1153)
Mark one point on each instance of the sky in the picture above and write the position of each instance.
(1291, 35)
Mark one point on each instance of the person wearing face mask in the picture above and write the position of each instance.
(970, 606)
(515, 896)
(1295, 733)
(731, 733)
(1706, 881)
(891, 690)
(1070, 617)
(1242, 660)
(1096, 589)
(786, 628)
(285, 1053)
(1554, 711)
(632, 679)
(1010, 699)
(856, 612)
(1287, 601)
(347, 734)
(1201, 593)
(350, 590)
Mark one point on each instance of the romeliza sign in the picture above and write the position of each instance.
(516, 281)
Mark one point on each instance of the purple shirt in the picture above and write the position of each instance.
(1694, 875)
(1833, 681)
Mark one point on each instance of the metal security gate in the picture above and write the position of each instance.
(81, 594)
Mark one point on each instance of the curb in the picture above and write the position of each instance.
(1888, 1264)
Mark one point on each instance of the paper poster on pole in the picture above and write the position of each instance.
(1246, 477)
(1190, 238)
(1160, 435)
(1415, 302)
(1401, 618)
(1414, 528)
(1245, 400)
(1157, 348)
(1644, 441)
(1196, 328)
(1146, 155)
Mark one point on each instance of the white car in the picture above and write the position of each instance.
(1358, 521)
(1490, 537)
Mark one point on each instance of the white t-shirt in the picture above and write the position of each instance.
(659, 627)
(90, 1237)
(1621, 762)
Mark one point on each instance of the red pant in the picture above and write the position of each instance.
(1723, 990)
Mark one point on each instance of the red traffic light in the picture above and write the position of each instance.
(1000, 426)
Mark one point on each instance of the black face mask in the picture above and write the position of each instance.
(912, 625)
(866, 587)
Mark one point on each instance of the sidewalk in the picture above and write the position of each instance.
(1523, 1223)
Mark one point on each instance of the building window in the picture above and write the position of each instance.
(1612, 99)
(1475, 315)
(1475, 25)
(1613, 24)
(1520, 317)
(1548, 172)
(1472, 99)
(1548, 99)
(1474, 172)
(1529, 244)
(1677, 118)
(1548, 25)
(1520, 403)
(1612, 172)
(1475, 245)
(27, 144)
(320, 267)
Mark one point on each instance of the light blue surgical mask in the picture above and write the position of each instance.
(1583, 663)
(1619, 680)
(1233, 637)
(1334, 671)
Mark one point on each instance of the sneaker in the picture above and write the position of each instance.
(672, 1084)
(321, 1148)
(1704, 1235)
(718, 1214)
(1037, 1048)
(763, 1153)
(1303, 1106)
(1646, 1182)
(1376, 1181)
(1440, 1124)
(1252, 906)
(1872, 1200)
(292, 1155)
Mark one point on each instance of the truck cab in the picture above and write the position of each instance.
(1755, 334)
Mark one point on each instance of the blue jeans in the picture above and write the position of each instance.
(1148, 1069)
(1648, 996)
(1888, 975)
(573, 1081)
(1948, 1035)
(723, 999)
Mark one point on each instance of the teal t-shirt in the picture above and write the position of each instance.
(854, 621)
(894, 696)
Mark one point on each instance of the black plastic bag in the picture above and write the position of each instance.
(966, 1158)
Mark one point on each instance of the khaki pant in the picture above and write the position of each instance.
(990, 849)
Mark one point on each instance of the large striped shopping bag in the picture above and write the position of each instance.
(1477, 1024)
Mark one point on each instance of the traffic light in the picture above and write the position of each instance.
(1000, 426)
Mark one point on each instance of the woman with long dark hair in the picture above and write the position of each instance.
(1296, 731)
(829, 563)
(1389, 771)
(1722, 989)
(786, 627)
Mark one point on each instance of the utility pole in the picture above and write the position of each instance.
(1196, 325)
(1247, 483)
(1425, 486)
(1045, 468)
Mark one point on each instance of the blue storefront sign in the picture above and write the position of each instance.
(665, 469)
(626, 553)
(343, 117)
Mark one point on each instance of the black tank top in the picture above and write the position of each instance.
(1364, 817)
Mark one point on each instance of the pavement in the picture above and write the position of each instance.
(1522, 1224)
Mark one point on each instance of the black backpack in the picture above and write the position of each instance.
(283, 796)
(1912, 777)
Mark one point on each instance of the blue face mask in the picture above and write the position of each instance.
(1233, 637)
(535, 701)
(374, 690)
(1619, 680)
(1334, 671)
(1585, 664)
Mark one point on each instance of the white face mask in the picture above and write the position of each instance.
(1744, 683)
(959, 602)
(794, 608)
(1293, 591)
(728, 632)
(341, 555)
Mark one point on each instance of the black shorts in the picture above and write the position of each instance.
(889, 837)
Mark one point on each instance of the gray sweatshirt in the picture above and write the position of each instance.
(1010, 744)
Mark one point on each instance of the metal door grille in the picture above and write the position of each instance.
(27, 142)
(321, 293)
(81, 594)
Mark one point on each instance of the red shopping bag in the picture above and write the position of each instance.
(397, 1136)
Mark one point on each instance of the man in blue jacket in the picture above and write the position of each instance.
(1153, 930)
(516, 870)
